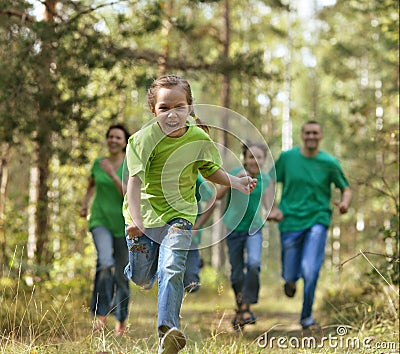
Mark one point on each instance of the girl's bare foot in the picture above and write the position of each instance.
(120, 328)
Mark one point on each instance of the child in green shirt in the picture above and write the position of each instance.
(160, 206)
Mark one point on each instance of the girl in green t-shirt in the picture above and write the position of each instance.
(160, 207)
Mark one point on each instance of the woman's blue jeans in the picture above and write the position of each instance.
(111, 288)
(161, 252)
(245, 284)
(302, 257)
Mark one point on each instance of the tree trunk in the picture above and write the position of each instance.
(5, 149)
(218, 257)
(44, 152)
(287, 139)
(163, 59)
(43, 256)
(33, 201)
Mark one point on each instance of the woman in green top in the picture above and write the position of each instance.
(244, 222)
(106, 223)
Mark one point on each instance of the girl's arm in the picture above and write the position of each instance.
(89, 193)
(223, 190)
(244, 184)
(136, 228)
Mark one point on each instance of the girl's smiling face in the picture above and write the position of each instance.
(171, 110)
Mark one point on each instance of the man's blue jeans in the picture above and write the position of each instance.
(161, 253)
(246, 285)
(302, 256)
(111, 289)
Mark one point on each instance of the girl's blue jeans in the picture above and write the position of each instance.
(161, 253)
(245, 272)
(302, 256)
(111, 288)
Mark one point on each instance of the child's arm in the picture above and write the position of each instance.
(136, 228)
(244, 184)
(223, 190)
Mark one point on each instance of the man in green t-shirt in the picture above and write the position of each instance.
(304, 213)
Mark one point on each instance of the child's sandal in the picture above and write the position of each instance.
(249, 319)
(237, 321)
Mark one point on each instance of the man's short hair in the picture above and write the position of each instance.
(311, 122)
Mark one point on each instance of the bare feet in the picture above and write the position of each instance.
(99, 323)
(120, 328)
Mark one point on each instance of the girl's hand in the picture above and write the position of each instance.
(135, 229)
(246, 184)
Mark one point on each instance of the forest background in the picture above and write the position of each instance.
(68, 69)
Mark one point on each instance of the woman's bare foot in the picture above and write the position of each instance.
(120, 328)
(99, 323)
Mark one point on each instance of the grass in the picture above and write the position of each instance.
(54, 317)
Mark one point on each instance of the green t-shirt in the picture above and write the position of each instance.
(306, 190)
(168, 168)
(106, 206)
(203, 194)
(243, 212)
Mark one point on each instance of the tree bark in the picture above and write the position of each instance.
(5, 149)
(43, 254)
(218, 257)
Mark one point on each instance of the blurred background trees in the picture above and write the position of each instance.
(68, 69)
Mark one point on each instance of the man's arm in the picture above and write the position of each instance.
(345, 201)
(268, 200)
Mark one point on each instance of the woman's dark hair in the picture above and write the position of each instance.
(170, 81)
(247, 145)
(119, 126)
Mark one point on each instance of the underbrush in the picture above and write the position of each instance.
(53, 316)
(366, 305)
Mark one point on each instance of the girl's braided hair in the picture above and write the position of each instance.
(170, 81)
